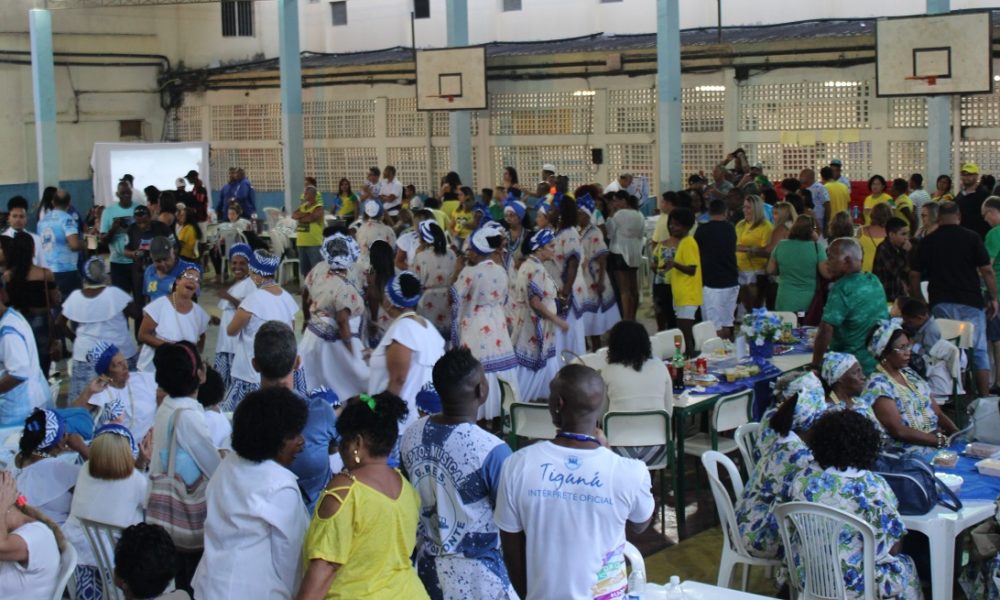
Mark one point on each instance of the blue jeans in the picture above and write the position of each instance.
(309, 257)
(976, 316)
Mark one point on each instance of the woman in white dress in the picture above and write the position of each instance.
(564, 267)
(93, 314)
(118, 395)
(536, 320)
(173, 318)
(331, 348)
(29, 553)
(229, 301)
(479, 321)
(371, 229)
(403, 360)
(269, 302)
(593, 297)
(40, 473)
(434, 265)
(515, 215)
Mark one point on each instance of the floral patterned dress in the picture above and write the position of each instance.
(597, 311)
(434, 272)
(867, 496)
(534, 336)
(567, 246)
(913, 401)
(513, 259)
(478, 322)
(769, 485)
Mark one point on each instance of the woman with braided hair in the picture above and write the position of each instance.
(40, 474)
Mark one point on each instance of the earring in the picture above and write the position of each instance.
(357, 459)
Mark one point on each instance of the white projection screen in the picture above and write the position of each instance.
(158, 164)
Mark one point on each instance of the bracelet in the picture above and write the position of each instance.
(942, 440)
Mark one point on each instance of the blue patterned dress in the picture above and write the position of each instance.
(769, 485)
(867, 496)
(913, 401)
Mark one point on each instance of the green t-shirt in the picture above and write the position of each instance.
(993, 248)
(855, 304)
(797, 260)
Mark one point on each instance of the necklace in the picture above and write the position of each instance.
(266, 284)
(579, 437)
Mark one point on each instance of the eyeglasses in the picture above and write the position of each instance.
(905, 349)
(191, 276)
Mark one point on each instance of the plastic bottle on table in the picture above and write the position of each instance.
(636, 585)
(675, 591)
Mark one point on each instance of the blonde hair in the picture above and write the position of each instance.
(784, 212)
(110, 457)
(758, 210)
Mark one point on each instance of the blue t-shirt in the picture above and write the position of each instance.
(312, 465)
(117, 245)
(154, 285)
(54, 228)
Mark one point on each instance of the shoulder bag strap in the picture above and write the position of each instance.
(172, 452)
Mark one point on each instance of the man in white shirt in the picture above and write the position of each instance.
(22, 384)
(370, 189)
(917, 192)
(820, 197)
(622, 183)
(562, 505)
(17, 221)
(390, 191)
(408, 243)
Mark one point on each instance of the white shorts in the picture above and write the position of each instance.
(686, 312)
(749, 277)
(719, 305)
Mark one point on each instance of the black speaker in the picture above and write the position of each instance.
(422, 9)
(597, 155)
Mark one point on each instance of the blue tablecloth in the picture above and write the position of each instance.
(976, 486)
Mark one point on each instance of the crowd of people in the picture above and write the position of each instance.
(361, 458)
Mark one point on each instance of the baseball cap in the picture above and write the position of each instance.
(836, 163)
(191, 174)
(160, 247)
(180, 182)
(696, 178)
(549, 167)
(757, 165)
(970, 168)
(141, 210)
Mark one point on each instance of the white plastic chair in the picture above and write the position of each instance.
(595, 360)
(643, 428)
(102, 539)
(816, 540)
(636, 563)
(67, 564)
(957, 332)
(703, 331)
(788, 317)
(663, 343)
(531, 420)
(733, 549)
(925, 289)
(746, 440)
(507, 397)
(289, 264)
(712, 344)
(729, 413)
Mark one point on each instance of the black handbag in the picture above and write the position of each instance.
(916, 488)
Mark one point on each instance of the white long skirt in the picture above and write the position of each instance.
(600, 321)
(571, 339)
(332, 365)
(534, 385)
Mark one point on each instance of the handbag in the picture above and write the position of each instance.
(179, 509)
(814, 314)
(912, 480)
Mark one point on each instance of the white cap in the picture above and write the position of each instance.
(549, 167)
(180, 182)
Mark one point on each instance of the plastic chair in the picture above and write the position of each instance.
(957, 332)
(663, 343)
(730, 412)
(531, 420)
(703, 331)
(286, 265)
(788, 317)
(925, 289)
(102, 539)
(643, 428)
(733, 549)
(67, 564)
(636, 562)
(712, 344)
(595, 360)
(818, 530)
(746, 440)
(507, 397)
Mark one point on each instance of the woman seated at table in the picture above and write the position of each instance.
(636, 380)
(900, 399)
(844, 382)
(845, 444)
(41, 475)
(785, 459)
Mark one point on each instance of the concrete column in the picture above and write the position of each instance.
(43, 86)
(292, 136)
(459, 121)
(938, 119)
(668, 94)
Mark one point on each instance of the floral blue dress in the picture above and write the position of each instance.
(913, 401)
(867, 496)
(769, 485)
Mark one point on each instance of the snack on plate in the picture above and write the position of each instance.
(989, 466)
(981, 450)
(945, 458)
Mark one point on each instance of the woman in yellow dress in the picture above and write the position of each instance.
(877, 195)
(873, 234)
(753, 234)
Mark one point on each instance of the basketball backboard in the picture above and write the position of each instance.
(934, 54)
(451, 79)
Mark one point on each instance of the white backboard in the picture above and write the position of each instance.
(451, 79)
(954, 50)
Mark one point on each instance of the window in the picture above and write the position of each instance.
(511, 5)
(339, 10)
(421, 9)
(237, 18)
(130, 129)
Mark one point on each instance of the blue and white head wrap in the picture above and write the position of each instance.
(811, 403)
(428, 399)
(264, 263)
(184, 265)
(240, 249)
(515, 206)
(543, 208)
(101, 356)
(116, 429)
(479, 241)
(394, 290)
(340, 251)
(372, 209)
(112, 412)
(327, 395)
(586, 204)
(882, 335)
(426, 233)
(55, 429)
(835, 365)
(542, 238)
(94, 272)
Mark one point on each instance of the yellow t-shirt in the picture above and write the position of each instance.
(348, 205)
(757, 237)
(450, 206)
(661, 232)
(945, 198)
(687, 288)
(840, 198)
(441, 218)
(188, 240)
(372, 537)
(903, 201)
(870, 203)
(463, 222)
(869, 245)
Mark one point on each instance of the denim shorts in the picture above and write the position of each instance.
(976, 316)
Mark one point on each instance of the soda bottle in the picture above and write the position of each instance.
(678, 367)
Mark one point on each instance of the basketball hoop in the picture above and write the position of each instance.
(929, 79)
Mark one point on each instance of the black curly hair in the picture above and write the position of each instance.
(177, 368)
(629, 345)
(265, 420)
(213, 391)
(843, 439)
(32, 437)
(145, 559)
(379, 426)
